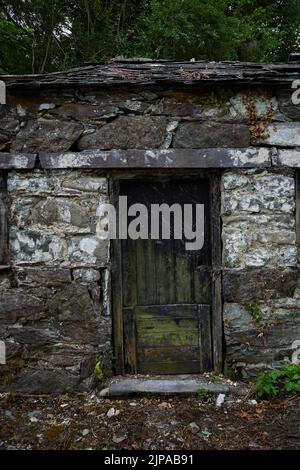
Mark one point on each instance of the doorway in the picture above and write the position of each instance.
(164, 295)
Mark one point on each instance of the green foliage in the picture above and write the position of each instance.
(202, 394)
(255, 312)
(176, 29)
(98, 372)
(206, 433)
(272, 383)
(40, 36)
(217, 378)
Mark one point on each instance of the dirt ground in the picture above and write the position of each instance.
(90, 422)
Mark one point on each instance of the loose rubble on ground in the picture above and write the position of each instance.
(88, 421)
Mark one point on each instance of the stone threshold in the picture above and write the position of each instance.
(179, 385)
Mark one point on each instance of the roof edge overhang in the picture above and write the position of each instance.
(165, 73)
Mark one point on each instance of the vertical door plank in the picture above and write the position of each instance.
(217, 310)
(130, 358)
(183, 275)
(117, 296)
(204, 319)
(129, 269)
(145, 267)
(202, 284)
(164, 272)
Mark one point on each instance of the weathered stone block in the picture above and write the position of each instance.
(244, 286)
(8, 128)
(20, 211)
(258, 193)
(258, 219)
(244, 248)
(46, 381)
(96, 333)
(60, 183)
(5, 281)
(263, 103)
(65, 212)
(85, 183)
(285, 134)
(18, 304)
(11, 161)
(13, 349)
(88, 250)
(28, 246)
(35, 337)
(286, 106)
(211, 134)
(9, 124)
(107, 97)
(141, 132)
(265, 341)
(73, 303)
(70, 356)
(84, 112)
(173, 108)
(44, 134)
(289, 158)
(134, 106)
(86, 275)
(87, 366)
(49, 277)
(31, 184)
(4, 142)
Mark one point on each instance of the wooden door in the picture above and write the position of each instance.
(166, 290)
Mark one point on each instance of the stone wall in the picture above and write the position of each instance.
(54, 308)
(54, 296)
(260, 277)
(54, 121)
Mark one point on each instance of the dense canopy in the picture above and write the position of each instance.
(40, 36)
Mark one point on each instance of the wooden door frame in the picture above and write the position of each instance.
(116, 268)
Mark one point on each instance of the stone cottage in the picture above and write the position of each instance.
(74, 306)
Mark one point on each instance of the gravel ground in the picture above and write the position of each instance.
(89, 422)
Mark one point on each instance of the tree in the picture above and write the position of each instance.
(40, 36)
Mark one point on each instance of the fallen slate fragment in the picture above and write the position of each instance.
(194, 428)
(8, 414)
(220, 399)
(46, 106)
(35, 414)
(119, 439)
(104, 392)
(33, 419)
(253, 402)
(112, 412)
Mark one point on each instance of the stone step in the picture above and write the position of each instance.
(128, 387)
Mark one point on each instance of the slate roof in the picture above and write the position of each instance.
(163, 72)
